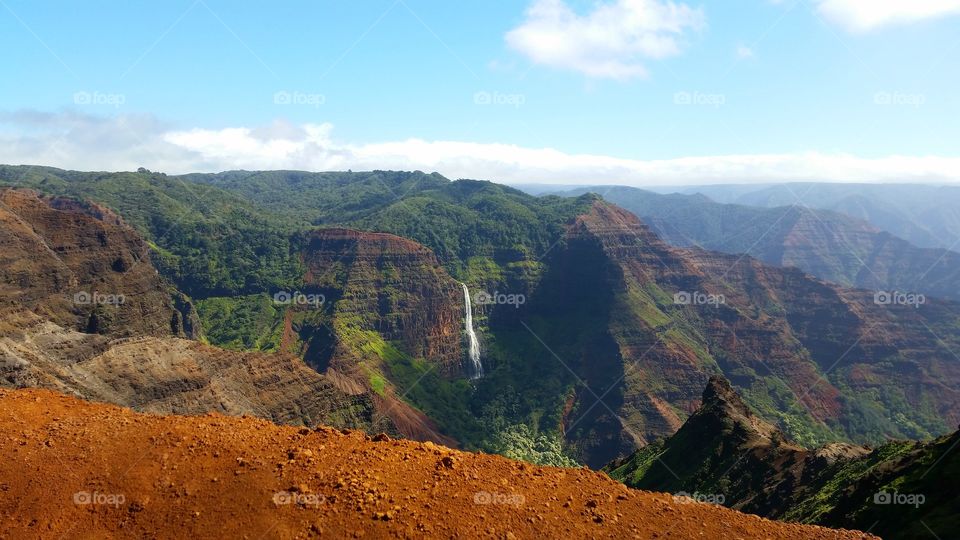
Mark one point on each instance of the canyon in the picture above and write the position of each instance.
(360, 310)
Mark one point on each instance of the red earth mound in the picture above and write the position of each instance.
(75, 469)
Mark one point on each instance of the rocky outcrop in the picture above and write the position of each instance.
(724, 449)
(725, 454)
(392, 286)
(79, 265)
(385, 300)
(177, 376)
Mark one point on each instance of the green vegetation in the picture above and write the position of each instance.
(242, 323)
(414, 380)
(519, 441)
(839, 478)
(457, 220)
(231, 240)
(236, 233)
(209, 242)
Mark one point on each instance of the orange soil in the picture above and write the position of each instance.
(74, 469)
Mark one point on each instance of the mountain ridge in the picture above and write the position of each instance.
(823, 243)
(724, 453)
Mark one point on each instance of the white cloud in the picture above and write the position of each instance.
(866, 15)
(75, 141)
(744, 52)
(612, 41)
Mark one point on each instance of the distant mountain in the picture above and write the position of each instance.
(927, 216)
(826, 244)
(725, 454)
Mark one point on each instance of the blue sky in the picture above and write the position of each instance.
(633, 91)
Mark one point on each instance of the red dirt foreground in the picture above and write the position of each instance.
(74, 469)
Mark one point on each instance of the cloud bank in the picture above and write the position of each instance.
(76, 141)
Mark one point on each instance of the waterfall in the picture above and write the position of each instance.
(474, 351)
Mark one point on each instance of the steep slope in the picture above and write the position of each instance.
(823, 243)
(724, 449)
(80, 266)
(135, 476)
(392, 286)
(206, 241)
(644, 325)
(390, 320)
(726, 454)
(85, 312)
(927, 216)
(176, 376)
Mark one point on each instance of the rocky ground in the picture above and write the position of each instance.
(75, 469)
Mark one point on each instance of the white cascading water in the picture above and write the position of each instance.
(474, 350)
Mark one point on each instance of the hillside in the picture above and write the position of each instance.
(135, 476)
(85, 312)
(726, 452)
(601, 357)
(927, 216)
(827, 244)
(206, 241)
(825, 363)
